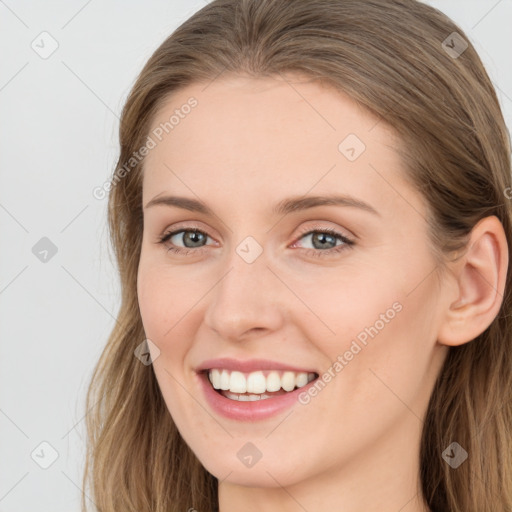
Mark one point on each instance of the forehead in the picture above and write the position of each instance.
(266, 134)
(239, 108)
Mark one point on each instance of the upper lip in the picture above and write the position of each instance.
(249, 365)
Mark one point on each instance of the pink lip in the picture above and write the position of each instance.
(248, 366)
(248, 411)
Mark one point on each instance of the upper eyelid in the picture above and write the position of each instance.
(315, 227)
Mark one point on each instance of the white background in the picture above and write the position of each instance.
(58, 141)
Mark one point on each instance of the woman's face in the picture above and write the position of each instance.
(262, 284)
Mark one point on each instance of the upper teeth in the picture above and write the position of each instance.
(257, 382)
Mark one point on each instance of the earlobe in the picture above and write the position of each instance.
(481, 275)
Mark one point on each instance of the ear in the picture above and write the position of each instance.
(480, 283)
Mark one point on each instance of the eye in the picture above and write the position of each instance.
(191, 238)
(325, 241)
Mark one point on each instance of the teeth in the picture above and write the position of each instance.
(237, 383)
(302, 379)
(255, 384)
(246, 397)
(288, 381)
(273, 381)
(224, 380)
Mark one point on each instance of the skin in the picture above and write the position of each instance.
(248, 144)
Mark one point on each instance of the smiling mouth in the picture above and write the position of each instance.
(258, 385)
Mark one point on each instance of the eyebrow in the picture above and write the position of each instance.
(290, 205)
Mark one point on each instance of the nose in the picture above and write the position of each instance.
(249, 300)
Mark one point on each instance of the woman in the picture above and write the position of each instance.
(311, 221)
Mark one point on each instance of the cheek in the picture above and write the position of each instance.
(165, 298)
(382, 327)
(343, 306)
(153, 302)
(402, 364)
(171, 312)
(166, 312)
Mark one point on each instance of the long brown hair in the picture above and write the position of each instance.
(393, 57)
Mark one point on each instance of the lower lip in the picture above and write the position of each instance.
(249, 411)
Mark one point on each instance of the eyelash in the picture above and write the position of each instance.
(347, 243)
